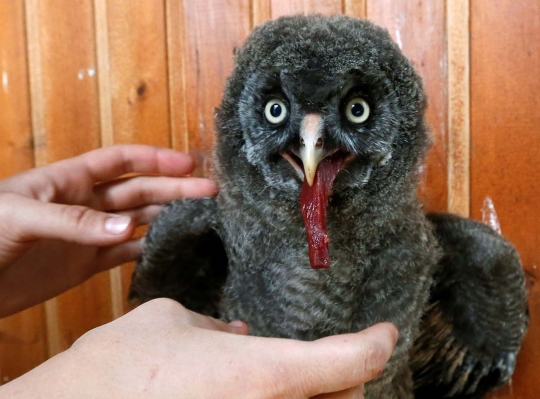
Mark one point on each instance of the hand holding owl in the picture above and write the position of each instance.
(163, 350)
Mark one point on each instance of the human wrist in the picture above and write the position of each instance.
(65, 375)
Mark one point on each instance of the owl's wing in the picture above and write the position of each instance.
(477, 316)
(183, 257)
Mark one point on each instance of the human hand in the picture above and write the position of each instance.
(65, 222)
(162, 350)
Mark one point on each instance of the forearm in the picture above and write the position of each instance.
(62, 376)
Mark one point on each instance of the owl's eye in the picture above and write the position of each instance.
(357, 110)
(275, 111)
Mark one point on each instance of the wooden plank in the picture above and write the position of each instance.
(65, 116)
(135, 84)
(23, 341)
(355, 8)
(106, 125)
(459, 134)
(138, 72)
(419, 29)
(15, 124)
(212, 29)
(103, 72)
(284, 7)
(176, 51)
(261, 11)
(505, 115)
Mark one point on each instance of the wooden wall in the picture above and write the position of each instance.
(80, 74)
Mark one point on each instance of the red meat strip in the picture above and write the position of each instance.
(313, 203)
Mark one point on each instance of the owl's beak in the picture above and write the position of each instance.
(311, 145)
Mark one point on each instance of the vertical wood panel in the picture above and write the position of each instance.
(106, 125)
(355, 8)
(419, 28)
(284, 7)
(139, 90)
(103, 72)
(459, 134)
(176, 50)
(261, 11)
(66, 123)
(138, 72)
(505, 166)
(212, 30)
(23, 341)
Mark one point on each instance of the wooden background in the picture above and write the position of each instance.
(80, 74)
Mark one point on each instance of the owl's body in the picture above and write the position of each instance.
(244, 255)
(273, 288)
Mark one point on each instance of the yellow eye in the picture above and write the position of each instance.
(275, 111)
(357, 110)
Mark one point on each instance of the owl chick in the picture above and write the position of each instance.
(317, 229)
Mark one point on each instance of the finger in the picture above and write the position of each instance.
(239, 327)
(142, 215)
(109, 257)
(351, 393)
(26, 219)
(110, 162)
(168, 309)
(209, 323)
(143, 190)
(62, 181)
(344, 361)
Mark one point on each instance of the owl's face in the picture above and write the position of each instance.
(308, 88)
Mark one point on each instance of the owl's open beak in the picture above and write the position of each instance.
(311, 145)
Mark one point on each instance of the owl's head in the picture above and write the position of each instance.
(305, 88)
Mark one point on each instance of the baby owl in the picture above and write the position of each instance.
(317, 229)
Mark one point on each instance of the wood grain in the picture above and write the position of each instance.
(106, 125)
(459, 132)
(505, 115)
(419, 29)
(23, 341)
(138, 72)
(261, 11)
(212, 30)
(355, 8)
(176, 51)
(101, 21)
(65, 115)
(139, 90)
(284, 7)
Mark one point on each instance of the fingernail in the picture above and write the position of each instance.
(215, 187)
(117, 224)
(237, 324)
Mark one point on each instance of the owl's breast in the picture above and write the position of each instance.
(273, 288)
(378, 272)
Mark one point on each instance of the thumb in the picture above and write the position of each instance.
(345, 361)
(209, 323)
(29, 219)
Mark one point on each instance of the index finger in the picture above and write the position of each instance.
(58, 180)
(111, 162)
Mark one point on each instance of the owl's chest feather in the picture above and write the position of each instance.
(272, 286)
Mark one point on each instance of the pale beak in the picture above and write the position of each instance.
(311, 145)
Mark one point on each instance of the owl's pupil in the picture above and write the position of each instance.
(357, 109)
(275, 110)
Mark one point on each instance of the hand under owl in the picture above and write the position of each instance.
(68, 221)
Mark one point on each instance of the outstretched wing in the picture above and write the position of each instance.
(477, 317)
(183, 257)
